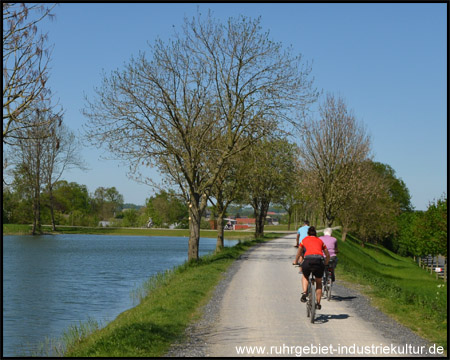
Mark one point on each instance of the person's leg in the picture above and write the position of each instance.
(318, 273)
(306, 272)
(332, 264)
(304, 283)
(318, 289)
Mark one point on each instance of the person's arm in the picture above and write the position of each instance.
(298, 238)
(327, 260)
(299, 255)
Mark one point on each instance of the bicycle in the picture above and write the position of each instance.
(328, 275)
(327, 282)
(311, 297)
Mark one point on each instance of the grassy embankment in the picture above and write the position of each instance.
(397, 286)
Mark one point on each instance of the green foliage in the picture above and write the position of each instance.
(166, 208)
(204, 224)
(17, 209)
(423, 233)
(130, 218)
(71, 197)
(397, 187)
(435, 224)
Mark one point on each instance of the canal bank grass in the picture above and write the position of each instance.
(396, 286)
(14, 229)
(170, 301)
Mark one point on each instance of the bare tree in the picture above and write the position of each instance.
(331, 151)
(25, 66)
(28, 160)
(213, 82)
(60, 153)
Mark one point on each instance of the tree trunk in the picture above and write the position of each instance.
(52, 212)
(259, 222)
(36, 204)
(220, 233)
(194, 233)
(36, 214)
(196, 207)
(260, 217)
(344, 233)
(289, 219)
(220, 207)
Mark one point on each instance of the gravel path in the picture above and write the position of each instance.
(199, 335)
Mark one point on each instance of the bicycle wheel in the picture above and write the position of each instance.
(330, 284)
(313, 302)
(308, 302)
(325, 286)
(329, 287)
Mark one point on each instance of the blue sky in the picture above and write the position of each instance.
(387, 60)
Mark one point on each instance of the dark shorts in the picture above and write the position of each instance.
(313, 265)
(333, 262)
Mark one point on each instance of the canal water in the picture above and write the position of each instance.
(52, 282)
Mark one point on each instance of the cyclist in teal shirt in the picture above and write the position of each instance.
(302, 232)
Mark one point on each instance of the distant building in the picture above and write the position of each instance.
(104, 223)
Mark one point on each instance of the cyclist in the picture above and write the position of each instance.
(331, 244)
(313, 262)
(302, 232)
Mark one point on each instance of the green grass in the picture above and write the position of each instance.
(397, 286)
(169, 302)
(16, 229)
(12, 229)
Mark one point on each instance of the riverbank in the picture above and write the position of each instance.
(13, 229)
(170, 303)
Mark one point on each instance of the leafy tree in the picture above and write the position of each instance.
(370, 210)
(227, 188)
(212, 81)
(71, 196)
(130, 218)
(17, 203)
(435, 225)
(166, 208)
(396, 187)
(267, 179)
(297, 200)
(108, 202)
(407, 240)
(424, 232)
